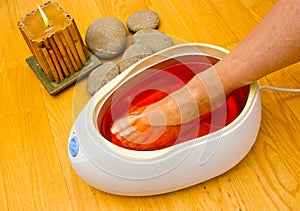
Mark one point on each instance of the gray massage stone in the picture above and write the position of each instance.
(155, 39)
(101, 76)
(106, 37)
(143, 19)
(133, 54)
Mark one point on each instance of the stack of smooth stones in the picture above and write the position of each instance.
(107, 38)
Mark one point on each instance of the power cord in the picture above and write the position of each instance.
(279, 89)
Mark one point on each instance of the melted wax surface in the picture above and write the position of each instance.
(156, 82)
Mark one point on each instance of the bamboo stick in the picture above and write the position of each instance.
(51, 65)
(80, 52)
(81, 49)
(71, 45)
(80, 39)
(54, 59)
(41, 60)
(56, 64)
(68, 50)
(63, 52)
(59, 56)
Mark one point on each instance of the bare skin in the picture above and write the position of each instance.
(272, 45)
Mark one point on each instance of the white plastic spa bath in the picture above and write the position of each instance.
(117, 170)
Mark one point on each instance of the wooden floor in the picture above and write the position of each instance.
(35, 172)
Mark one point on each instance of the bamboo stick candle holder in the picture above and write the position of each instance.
(55, 42)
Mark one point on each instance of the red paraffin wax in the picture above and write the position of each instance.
(155, 83)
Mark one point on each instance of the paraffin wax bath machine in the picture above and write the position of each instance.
(200, 150)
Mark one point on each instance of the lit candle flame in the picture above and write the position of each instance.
(46, 21)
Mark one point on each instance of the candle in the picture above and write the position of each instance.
(54, 41)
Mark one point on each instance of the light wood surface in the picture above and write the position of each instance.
(35, 172)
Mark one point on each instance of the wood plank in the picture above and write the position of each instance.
(27, 148)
